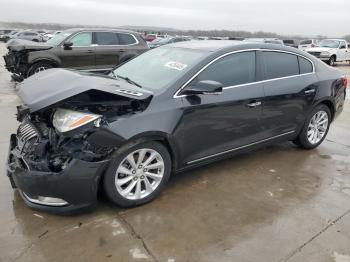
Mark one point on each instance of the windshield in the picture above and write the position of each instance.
(58, 38)
(329, 43)
(158, 67)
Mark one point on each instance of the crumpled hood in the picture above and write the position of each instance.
(318, 49)
(21, 44)
(54, 85)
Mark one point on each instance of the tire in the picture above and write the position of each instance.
(331, 61)
(37, 67)
(305, 138)
(137, 176)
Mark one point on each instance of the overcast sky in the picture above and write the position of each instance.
(288, 17)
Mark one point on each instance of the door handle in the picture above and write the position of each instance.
(254, 104)
(122, 50)
(89, 51)
(310, 91)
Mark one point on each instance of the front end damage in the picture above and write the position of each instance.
(16, 60)
(60, 171)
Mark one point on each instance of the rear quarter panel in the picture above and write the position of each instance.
(330, 88)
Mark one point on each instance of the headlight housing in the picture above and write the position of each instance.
(325, 53)
(66, 120)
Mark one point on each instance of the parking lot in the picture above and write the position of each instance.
(279, 203)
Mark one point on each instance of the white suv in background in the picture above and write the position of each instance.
(308, 43)
(331, 51)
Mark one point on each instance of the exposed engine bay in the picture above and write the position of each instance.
(44, 148)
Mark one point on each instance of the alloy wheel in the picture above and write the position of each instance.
(317, 127)
(40, 69)
(139, 174)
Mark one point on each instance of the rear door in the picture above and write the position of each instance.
(289, 91)
(113, 48)
(215, 124)
(108, 49)
(81, 55)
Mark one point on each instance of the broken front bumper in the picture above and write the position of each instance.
(10, 62)
(74, 188)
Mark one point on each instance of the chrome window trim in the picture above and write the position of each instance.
(176, 95)
(238, 148)
(94, 45)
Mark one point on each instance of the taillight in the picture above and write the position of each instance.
(345, 81)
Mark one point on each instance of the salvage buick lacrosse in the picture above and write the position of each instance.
(167, 110)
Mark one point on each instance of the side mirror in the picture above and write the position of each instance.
(205, 87)
(342, 47)
(67, 45)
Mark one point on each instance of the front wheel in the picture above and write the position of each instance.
(331, 61)
(38, 67)
(136, 175)
(315, 128)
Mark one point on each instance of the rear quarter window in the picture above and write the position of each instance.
(280, 64)
(305, 65)
(126, 39)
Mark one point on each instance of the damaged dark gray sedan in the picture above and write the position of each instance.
(170, 109)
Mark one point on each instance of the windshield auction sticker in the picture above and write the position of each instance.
(176, 65)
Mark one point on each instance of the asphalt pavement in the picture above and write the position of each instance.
(279, 203)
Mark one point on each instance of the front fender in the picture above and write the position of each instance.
(39, 56)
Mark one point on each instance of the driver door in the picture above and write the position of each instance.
(81, 55)
(215, 124)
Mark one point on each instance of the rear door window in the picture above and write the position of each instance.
(279, 64)
(231, 70)
(106, 38)
(126, 39)
(305, 65)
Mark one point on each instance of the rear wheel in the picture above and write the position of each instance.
(38, 67)
(138, 174)
(315, 128)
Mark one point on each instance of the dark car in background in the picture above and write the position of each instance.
(168, 40)
(84, 49)
(170, 109)
(290, 42)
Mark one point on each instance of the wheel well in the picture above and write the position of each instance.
(47, 61)
(329, 104)
(165, 142)
(157, 138)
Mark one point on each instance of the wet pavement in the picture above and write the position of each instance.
(279, 203)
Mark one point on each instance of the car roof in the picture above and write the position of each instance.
(230, 45)
(99, 29)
